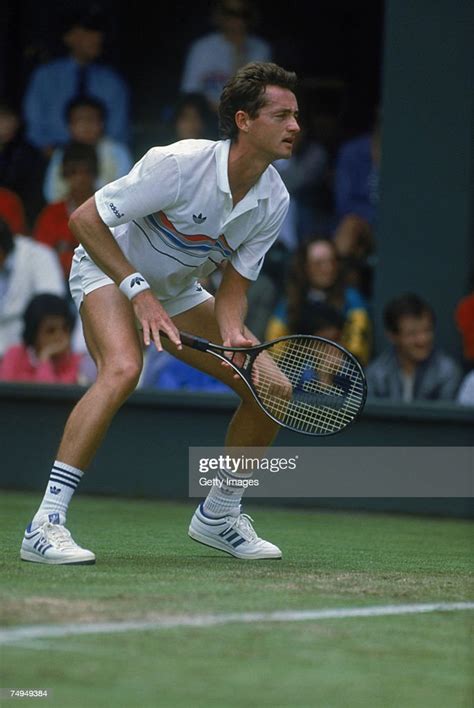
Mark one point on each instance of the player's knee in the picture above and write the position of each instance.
(123, 373)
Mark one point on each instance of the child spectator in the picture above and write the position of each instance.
(316, 278)
(22, 166)
(85, 120)
(79, 172)
(45, 354)
(412, 368)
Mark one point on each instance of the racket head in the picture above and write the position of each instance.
(307, 384)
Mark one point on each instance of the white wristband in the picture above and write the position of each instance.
(133, 284)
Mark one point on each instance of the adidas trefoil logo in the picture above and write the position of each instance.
(199, 219)
(136, 281)
(54, 490)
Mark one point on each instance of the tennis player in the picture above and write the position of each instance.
(146, 241)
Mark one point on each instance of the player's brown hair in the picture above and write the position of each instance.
(245, 91)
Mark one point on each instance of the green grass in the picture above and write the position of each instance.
(147, 568)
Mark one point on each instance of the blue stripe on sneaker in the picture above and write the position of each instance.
(37, 542)
(42, 544)
(29, 537)
(75, 476)
(237, 543)
(50, 545)
(233, 537)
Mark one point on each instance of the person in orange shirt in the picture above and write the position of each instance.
(79, 169)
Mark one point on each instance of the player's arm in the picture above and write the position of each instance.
(231, 309)
(89, 229)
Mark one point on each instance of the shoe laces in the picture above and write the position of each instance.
(58, 535)
(243, 523)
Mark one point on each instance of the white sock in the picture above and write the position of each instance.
(225, 499)
(61, 486)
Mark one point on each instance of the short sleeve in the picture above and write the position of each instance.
(249, 256)
(151, 185)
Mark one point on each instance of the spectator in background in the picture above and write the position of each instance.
(211, 60)
(79, 172)
(412, 369)
(27, 268)
(303, 175)
(77, 75)
(11, 210)
(193, 119)
(319, 319)
(21, 165)
(86, 121)
(315, 277)
(164, 372)
(45, 354)
(357, 196)
(465, 395)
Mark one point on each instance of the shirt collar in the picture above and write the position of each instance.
(260, 190)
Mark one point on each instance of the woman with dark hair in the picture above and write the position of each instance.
(316, 278)
(45, 355)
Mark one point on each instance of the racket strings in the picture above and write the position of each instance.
(308, 385)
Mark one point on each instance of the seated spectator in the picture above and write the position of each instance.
(21, 165)
(354, 243)
(55, 83)
(212, 59)
(412, 369)
(357, 176)
(79, 172)
(465, 395)
(356, 194)
(319, 319)
(11, 210)
(27, 268)
(303, 175)
(85, 119)
(315, 277)
(192, 118)
(165, 372)
(45, 354)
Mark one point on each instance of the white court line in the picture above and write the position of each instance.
(16, 634)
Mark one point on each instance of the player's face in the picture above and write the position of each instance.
(274, 130)
(415, 336)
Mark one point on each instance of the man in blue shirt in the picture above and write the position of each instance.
(54, 84)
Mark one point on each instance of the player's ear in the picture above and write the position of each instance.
(242, 121)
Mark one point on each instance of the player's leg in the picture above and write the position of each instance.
(218, 521)
(112, 338)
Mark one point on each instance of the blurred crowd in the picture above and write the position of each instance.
(71, 135)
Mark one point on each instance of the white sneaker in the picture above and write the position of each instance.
(52, 543)
(232, 534)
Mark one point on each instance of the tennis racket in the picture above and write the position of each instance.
(305, 383)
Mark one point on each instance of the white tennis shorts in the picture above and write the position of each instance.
(86, 276)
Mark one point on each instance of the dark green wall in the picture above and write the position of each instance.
(425, 237)
(146, 451)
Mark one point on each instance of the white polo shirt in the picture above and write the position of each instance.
(174, 219)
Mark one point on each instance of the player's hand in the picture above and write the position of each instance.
(238, 339)
(153, 319)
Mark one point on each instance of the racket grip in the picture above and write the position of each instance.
(190, 340)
